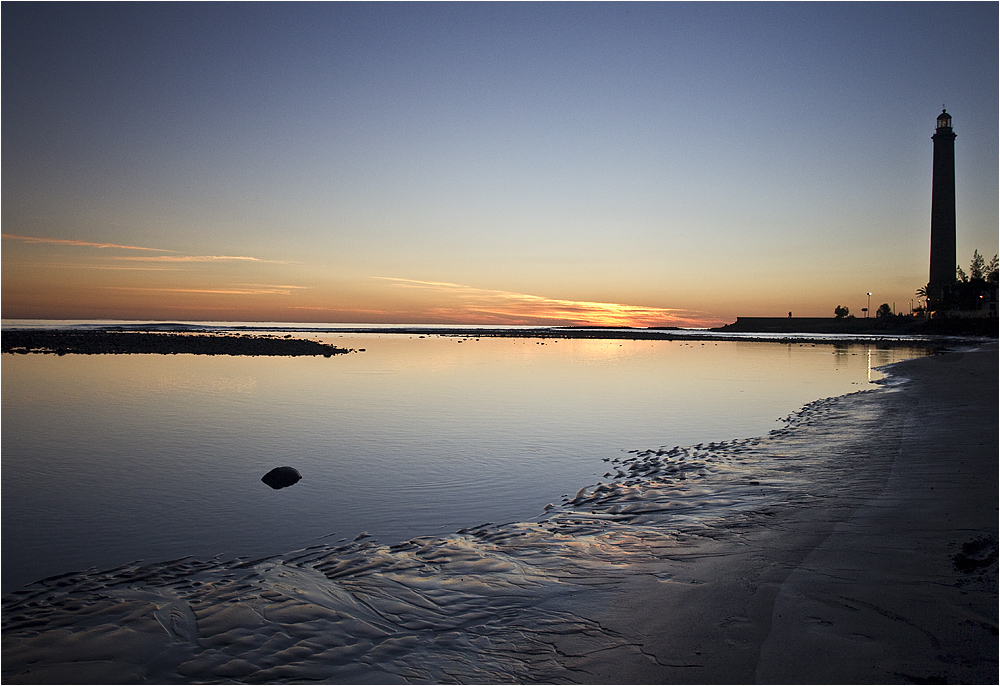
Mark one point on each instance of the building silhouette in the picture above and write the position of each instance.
(943, 262)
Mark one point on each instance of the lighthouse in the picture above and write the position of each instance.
(942, 272)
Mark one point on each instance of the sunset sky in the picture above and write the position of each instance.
(645, 164)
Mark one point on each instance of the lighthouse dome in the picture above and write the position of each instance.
(944, 120)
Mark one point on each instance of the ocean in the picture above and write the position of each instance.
(109, 459)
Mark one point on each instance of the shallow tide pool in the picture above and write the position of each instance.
(112, 458)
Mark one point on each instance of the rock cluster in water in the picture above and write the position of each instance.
(103, 342)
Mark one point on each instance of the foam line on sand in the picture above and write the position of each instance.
(857, 544)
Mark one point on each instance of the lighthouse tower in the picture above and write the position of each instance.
(942, 273)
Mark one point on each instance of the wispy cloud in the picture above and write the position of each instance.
(197, 258)
(175, 257)
(107, 268)
(271, 285)
(249, 290)
(413, 283)
(346, 310)
(488, 306)
(79, 244)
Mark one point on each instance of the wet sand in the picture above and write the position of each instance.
(856, 545)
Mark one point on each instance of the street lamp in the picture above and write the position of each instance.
(869, 308)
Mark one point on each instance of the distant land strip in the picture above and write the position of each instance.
(635, 334)
(905, 326)
(101, 342)
(243, 339)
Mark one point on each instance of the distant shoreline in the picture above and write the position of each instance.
(247, 338)
(912, 326)
(112, 341)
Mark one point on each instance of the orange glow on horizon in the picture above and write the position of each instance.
(47, 278)
(487, 306)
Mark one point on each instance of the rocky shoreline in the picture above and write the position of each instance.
(62, 342)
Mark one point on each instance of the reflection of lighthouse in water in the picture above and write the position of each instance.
(942, 272)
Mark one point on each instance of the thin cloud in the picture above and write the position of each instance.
(339, 310)
(266, 290)
(414, 283)
(489, 306)
(198, 258)
(144, 258)
(271, 285)
(108, 268)
(80, 244)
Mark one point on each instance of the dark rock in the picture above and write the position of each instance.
(279, 477)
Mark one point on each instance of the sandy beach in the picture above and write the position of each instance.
(858, 544)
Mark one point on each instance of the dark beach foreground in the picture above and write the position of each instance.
(856, 545)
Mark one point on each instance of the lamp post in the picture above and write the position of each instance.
(869, 308)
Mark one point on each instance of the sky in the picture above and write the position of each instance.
(645, 164)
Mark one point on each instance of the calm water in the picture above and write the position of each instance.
(109, 459)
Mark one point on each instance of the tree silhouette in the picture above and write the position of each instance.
(972, 291)
(840, 311)
(977, 270)
(992, 270)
